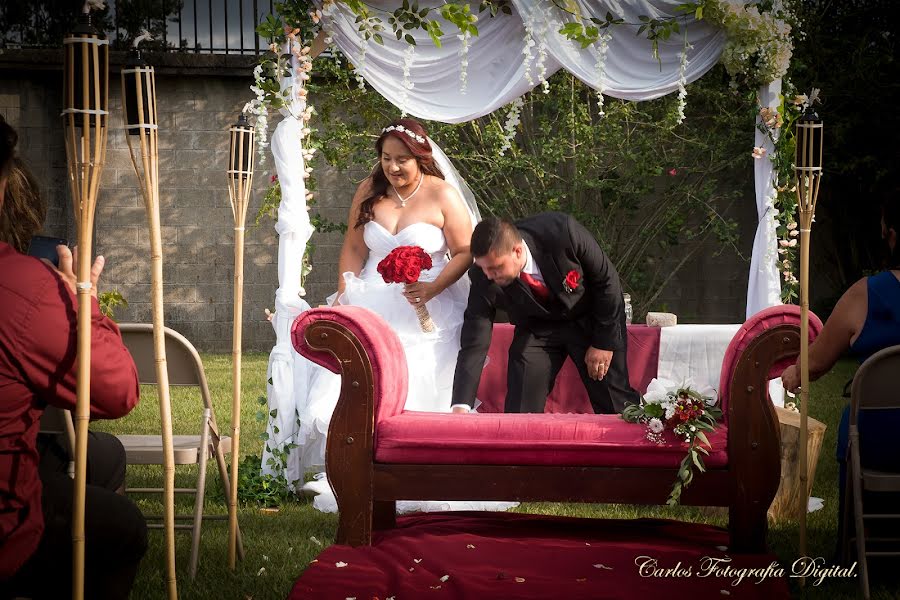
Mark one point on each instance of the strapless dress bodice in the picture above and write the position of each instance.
(380, 242)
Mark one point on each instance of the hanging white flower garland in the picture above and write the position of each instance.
(527, 56)
(788, 241)
(771, 216)
(408, 56)
(463, 61)
(682, 81)
(361, 63)
(536, 25)
(304, 111)
(600, 66)
(258, 107)
(541, 63)
(512, 123)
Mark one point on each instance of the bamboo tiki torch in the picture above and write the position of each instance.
(85, 114)
(808, 168)
(142, 133)
(240, 180)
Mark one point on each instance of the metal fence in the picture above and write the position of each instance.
(197, 26)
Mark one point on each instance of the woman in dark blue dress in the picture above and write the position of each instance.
(865, 320)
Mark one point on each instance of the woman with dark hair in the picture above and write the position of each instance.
(24, 211)
(406, 189)
(406, 201)
(865, 320)
(38, 367)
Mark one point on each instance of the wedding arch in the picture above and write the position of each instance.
(627, 49)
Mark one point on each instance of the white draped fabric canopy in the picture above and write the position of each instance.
(508, 58)
(497, 70)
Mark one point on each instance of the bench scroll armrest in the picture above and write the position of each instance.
(360, 346)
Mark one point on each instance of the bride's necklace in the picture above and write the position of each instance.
(403, 200)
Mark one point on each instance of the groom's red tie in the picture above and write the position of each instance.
(540, 291)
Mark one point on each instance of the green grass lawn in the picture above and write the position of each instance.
(279, 544)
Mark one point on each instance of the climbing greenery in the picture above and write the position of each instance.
(271, 488)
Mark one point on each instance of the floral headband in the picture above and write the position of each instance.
(403, 129)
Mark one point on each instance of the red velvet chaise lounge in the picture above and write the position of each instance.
(378, 453)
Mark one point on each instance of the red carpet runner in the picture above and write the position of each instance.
(508, 555)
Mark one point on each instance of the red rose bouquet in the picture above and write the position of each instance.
(404, 265)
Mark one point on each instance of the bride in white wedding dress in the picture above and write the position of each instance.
(406, 201)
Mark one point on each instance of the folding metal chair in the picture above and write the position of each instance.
(875, 386)
(58, 421)
(184, 369)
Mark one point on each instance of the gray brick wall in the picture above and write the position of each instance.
(195, 111)
(197, 228)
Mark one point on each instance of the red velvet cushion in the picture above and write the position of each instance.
(762, 321)
(530, 439)
(379, 342)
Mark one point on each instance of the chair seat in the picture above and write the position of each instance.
(531, 439)
(880, 481)
(148, 450)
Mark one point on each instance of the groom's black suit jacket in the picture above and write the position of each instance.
(558, 244)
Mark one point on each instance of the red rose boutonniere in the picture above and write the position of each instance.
(570, 283)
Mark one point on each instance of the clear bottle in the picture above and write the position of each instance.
(629, 312)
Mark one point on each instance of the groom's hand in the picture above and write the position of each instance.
(597, 362)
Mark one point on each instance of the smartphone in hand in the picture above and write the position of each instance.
(43, 246)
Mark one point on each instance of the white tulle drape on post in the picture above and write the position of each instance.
(764, 287)
(289, 373)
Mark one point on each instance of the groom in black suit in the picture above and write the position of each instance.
(563, 295)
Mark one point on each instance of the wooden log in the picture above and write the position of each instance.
(790, 495)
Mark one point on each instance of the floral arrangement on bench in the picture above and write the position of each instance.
(684, 411)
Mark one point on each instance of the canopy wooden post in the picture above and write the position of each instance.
(85, 115)
(240, 181)
(142, 133)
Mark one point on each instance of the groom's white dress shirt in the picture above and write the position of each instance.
(530, 266)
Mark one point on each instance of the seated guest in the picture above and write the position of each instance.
(38, 367)
(865, 320)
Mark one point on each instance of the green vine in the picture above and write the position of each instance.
(779, 126)
(267, 489)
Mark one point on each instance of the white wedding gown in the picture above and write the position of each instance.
(430, 357)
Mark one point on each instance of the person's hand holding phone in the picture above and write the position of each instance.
(67, 268)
